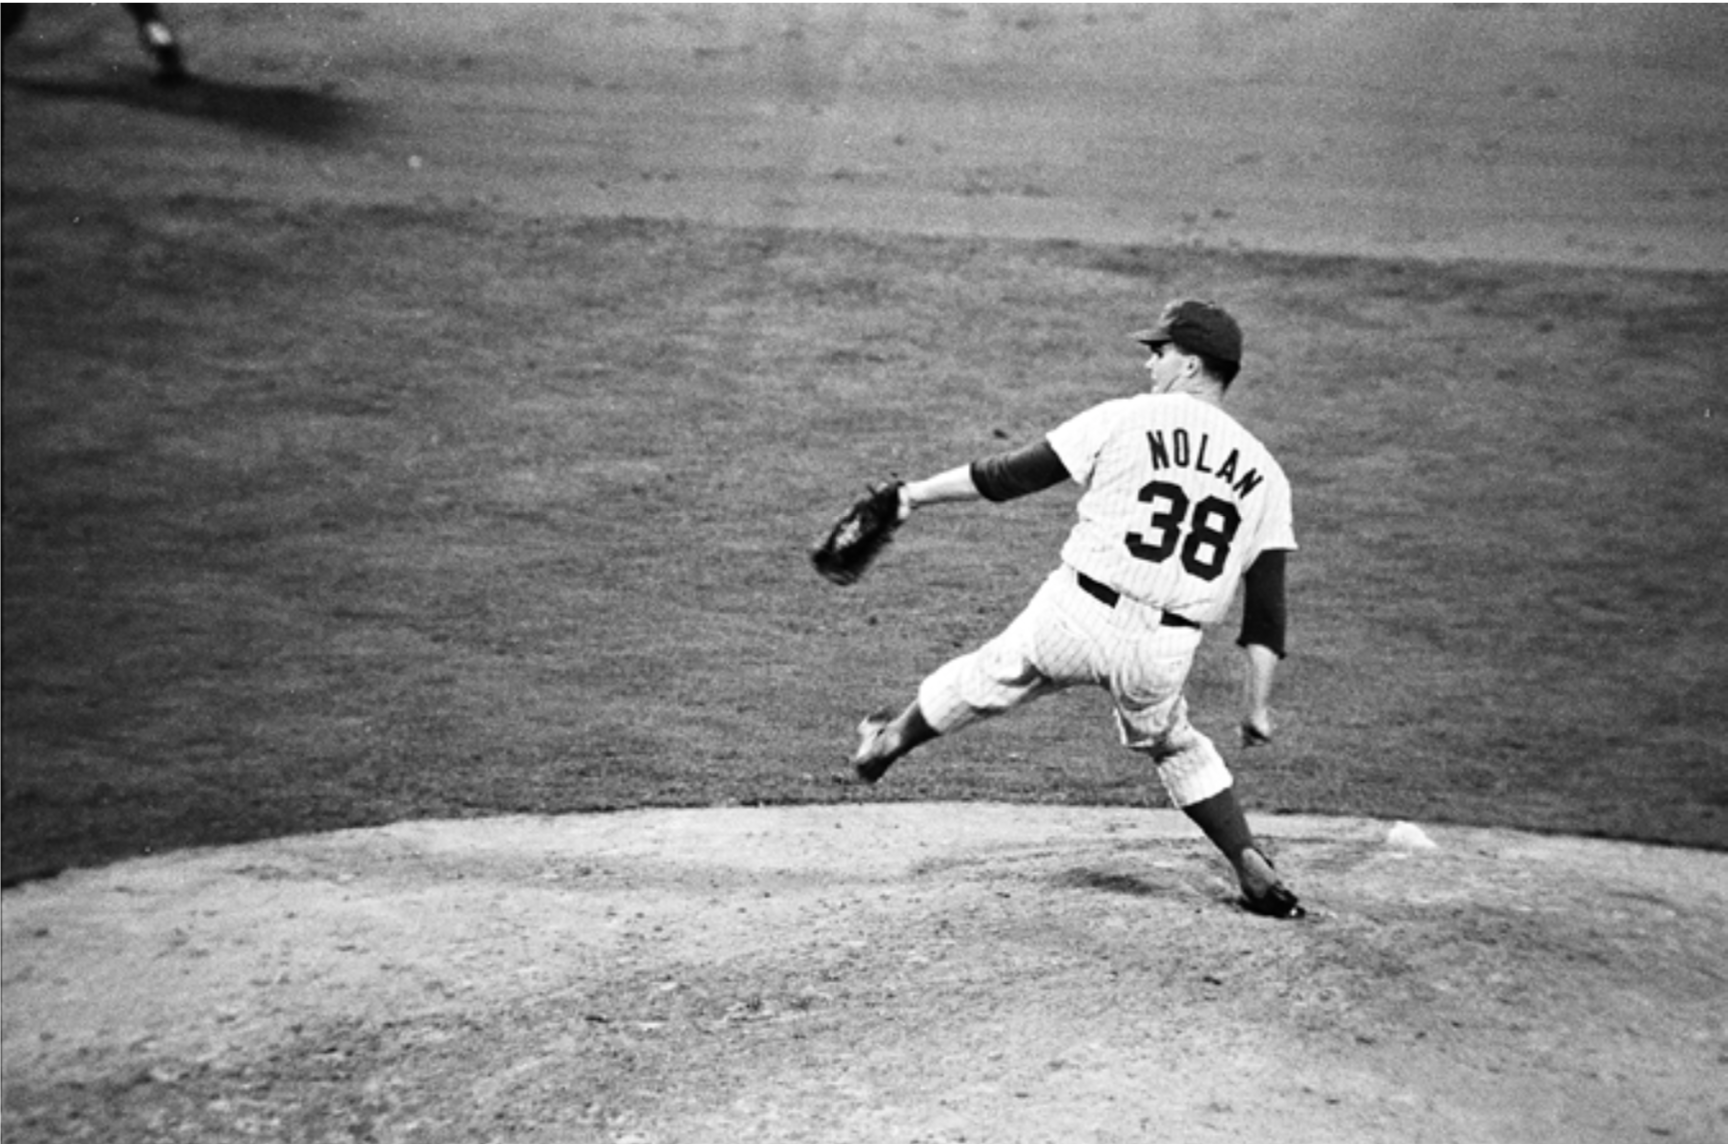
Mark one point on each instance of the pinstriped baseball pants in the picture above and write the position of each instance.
(1066, 638)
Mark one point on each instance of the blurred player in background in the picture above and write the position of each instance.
(154, 33)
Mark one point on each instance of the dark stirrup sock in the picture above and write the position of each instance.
(1221, 819)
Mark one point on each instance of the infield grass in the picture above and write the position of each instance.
(326, 517)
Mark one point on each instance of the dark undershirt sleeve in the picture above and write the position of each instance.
(1028, 469)
(1263, 602)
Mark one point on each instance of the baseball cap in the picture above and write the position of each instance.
(1198, 327)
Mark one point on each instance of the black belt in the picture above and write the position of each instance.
(1109, 596)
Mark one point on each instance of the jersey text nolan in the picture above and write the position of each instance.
(1178, 452)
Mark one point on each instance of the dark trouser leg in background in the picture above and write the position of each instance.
(159, 41)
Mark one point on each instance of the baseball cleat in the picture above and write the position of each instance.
(170, 72)
(1268, 897)
(1275, 903)
(868, 765)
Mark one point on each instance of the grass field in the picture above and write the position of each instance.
(325, 516)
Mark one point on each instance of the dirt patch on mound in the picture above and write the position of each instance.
(880, 973)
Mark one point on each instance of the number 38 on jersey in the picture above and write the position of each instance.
(1201, 537)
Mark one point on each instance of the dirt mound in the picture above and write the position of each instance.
(891, 972)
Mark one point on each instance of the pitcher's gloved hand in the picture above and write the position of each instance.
(854, 541)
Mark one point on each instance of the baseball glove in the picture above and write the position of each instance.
(858, 537)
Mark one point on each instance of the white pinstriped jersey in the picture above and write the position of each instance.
(1179, 501)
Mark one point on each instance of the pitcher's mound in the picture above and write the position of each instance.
(871, 973)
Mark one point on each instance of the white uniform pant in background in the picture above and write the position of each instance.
(1065, 637)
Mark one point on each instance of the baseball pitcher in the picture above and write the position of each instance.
(1179, 505)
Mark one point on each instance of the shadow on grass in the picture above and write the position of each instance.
(288, 113)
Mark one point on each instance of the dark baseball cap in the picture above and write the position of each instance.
(1198, 327)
